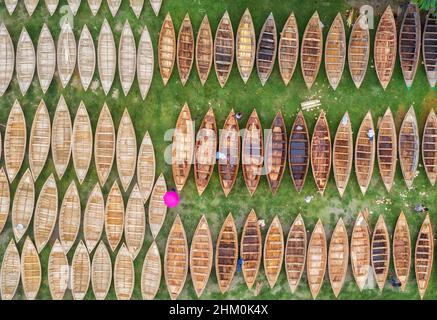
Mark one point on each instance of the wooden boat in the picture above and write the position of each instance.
(204, 50)
(146, 167)
(127, 58)
(156, 6)
(409, 147)
(343, 153)
(46, 213)
(157, 207)
(295, 252)
(251, 249)
(39, 143)
(311, 50)
(7, 59)
(69, 217)
(114, 216)
(82, 143)
(30, 270)
(94, 6)
(58, 271)
(429, 42)
(321, 153)
(124, 274)
(288, 49)
(30, 6)
(387, 150)
(176, 259)
(126, 150)
(10, 272)
(229, 145)
(185, 49)
(114, 5)
(66, 53)
(205, 151)
(23, 204)
(101, 272)
(166, 49)
(226, 254)
(62, 134)
(80, 272)
(358, 50)
(145, 63)
(380, 252)
(5, 199)
(201, 254)
(385, 47)
(135, 222)
(335, 51)
(316, 259)
(86, 58)
(94, 218)
(299, 152)
(52, 5)
(151, 273)
(338, 257)
(137, 7)
(224, 49)
(74, 6)
(273, 251)
(11, 5)
(360, 250)
(423, 256)
(429, 147)
(266, 49)
(365, 153)
(104, 142)
(106, 57)
(245, 47)
(402, 250)
(45, 58)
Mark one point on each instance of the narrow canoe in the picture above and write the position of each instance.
(380, 250)
(343, 153)
(114, 216)
(5, 199)
(101, 272)
(204, 50)
(66, 53)
(151, 273)
(156, 6)
(45, 58)
(145, 63)
(295, 252)
(245, 46)
(338, 257)
(424, 255)
(224, 49)
(321, 153)
(429, 147)
(30, 269)
(7, 59)
(82, 143)
(69, 217)
(58, 271)
(86, 57)
(124, 274)
(146, 167)
(104, 145)
(299, 152)
(62, 134)
(166, 49)
(94, 218)
(114, 5)
(428, 43)
(15, 141)
(11, 5)
(387, 150)
(126, 150)
(185, 49)
(409, 147)
(359, 50)
(311, 50)
(316, 259)
(80, 272)
(135, 222)
(402, 250)
(335, 51)
(251, 249)
(137, 7)
(52, 5)
(10, 272)
(74, 6)
(360, 250)
(365, 153)
(157, 207)
(23, 204)
(106, 56)
(127, 58)
(94, 6)
(30, 6)
(273, 251)
(288, 50)
(266, 49)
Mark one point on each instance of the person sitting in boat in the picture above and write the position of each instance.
(371, 134)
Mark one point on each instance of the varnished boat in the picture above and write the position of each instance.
(156, 6)
(7, 59)
(299, 152)
(288, 49)
(62, 134)
(23, 204)
(145, 63)
(245, 46)
(74, 6)
(86, 58)
(185, 49)
(266, 49)
(402, 250)
(69, 217)
(30, 270)
(66, 53)
(11, 5)
(409, 147)
(316, 259)
(146, 167)
(311, 50)
(104, 142)
(380, 250)
(82, 143)
(338, 257)
(157, 207)
(106, 57)
(126, 150)
(335, 51)
(5, 199)
(127, 58)
(114, 216)
(251, 249)
(101, 272)
(321, 153)
(273, 251)
(360, 250)
(387, 150)
(94, 6)
(429, 147)
(429, 43)
(45, 58)
(135, 222)
(423, 256)
(151, 273)
(10, 272)
(114, 5)
(30, 6)
(365, 152)
(343, 153)
(58, 271)
(94, 218)
(15, 141)
(52, 5)
(137, 6)
(166, 49)
(204, 50)
(224, 49)
(295, 252)
(358, 50)
(124, 274)
(80, 272)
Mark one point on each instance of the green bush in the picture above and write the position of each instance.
(426, 4)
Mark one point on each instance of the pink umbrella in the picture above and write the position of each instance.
(171, 199)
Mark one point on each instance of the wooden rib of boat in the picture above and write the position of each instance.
(409, 147)
(145, 63)
(387, 150)
(82, 142)
(7, 59)
(126, 150)
(288, 49)
(114, 5)
(273, 251)
(45, 58)
(176, 259)
(23, 204)
(266, 49)
(251, 249)
(156, 6)
(335, 51)
(311, 50)
(101, 272)
(114, 216)
(185, 49)
(52, 5)
(86, 58)
(205, 151)
(137, 7)
(30, 270)
(66, 53)
(74, 6)
(358, 50)
(39, 143)
(127, 58)
(94, 6)
(30, 6)
(94, 218)
(321, 153)
(299, 152)
(224, 49)
(146, 167)
(15, 141)
(157, 207)
(365, 152)
(429, 43)
(402, 250)
(429, 147)
(166, 49)
(69, 217)
(295, 252)
(201, 255)
(423, 256)
(343, 153)
(204, 50)
(151, 273)
(58, 271)
(106, 56)
(338, 257)
(385, 47)
(80, 272)
(104, 142)
(316, 259)
(124, 274)
(245, 46)
(135, 224)
(62, 134)
(5, 199)
(229, 145)
(11, 5)
(360, 250)
(10, 272)
(380, 252)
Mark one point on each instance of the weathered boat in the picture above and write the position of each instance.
(424, 255)
(166, 49)
(62, 134)
(106, 57)
(86, 57)
(380, 250)
(74, 6)
(7, 59)
(66, 53)
(311, 50)
(343, 153)
(137, 7)
(429, 147)
(321, 153)
(185, 49)
(30, 270)
(114, 5)
(22, 205)
(266, 49)
(104, 145)
(127, 58)
(338, 257)
(365, 152)
(126, 150)
(360, 250)
(5, 199)
(114, 216)
(151, 273)
(94, 218)
(387, 150)
(157, 207)
(358, 50)
(251, 249)
(124, 274)
(101, 272)
(146, 167)
(80, 272)
(58, 271)
(156, 6)
(335, 51)
(45, 58)
(82, 143)
(288, 50)
(409, 147)
(94, 6)
(299, 152)
(145, 63)
(30, 6)
(10, 272)
(428, 48)
(316, 259)
(295, 252)
(52, 5)
(245, 46)
(273, 251)
(135, 222)
(204, 50)
(224, 49)
(402, 250)
(11, 5)
(69, 217)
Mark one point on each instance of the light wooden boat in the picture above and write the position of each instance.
(80, 272)
(273, 251)
(166, 49)
(86, 58)
(185, 49)
(429, 147)
(409, 147)
(224, 49)
(104, 145)
(380, 252)
(295, 252)
(335, 51)
(30, 6)
(201, 255)
(204, 50)
(429, 41)
(7, 59)
(358, 50)
(316, 259)
(15, 141)
(424, 255)
(338, 257)
(114, 216)
(62, 134)
(288, 50)
(365, 153)
(146, 167)
(11, 5)
(10, 272)
(106, 56)
(387, 150)
(124, 274)
(156, 6)
(52, 5)
(321, 153)
(245, 46)
(402, 250)
(385, 47)
(101, 272)
(39, 143)
(94, 6)
(45, 58)
(157, 207)
(5, 199)
(58, 271)
(145, 63)
(343, 153)
(94, 218)
(135, 222)
(360, 250)
(176, 259)
(126, 150)
(137, 7)
(74, 6)
(251, 249)
(151, 273)
(30, 270)
(266, 49)
(66, 53)
(311, 50)
(69, 217)
(205, 151)
(299, 152)
(23, 204)
(127, 58)
(114, 5)
(82, 143)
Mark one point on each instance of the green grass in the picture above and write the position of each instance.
(159, 112)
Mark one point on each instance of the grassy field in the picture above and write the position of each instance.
(159, 112)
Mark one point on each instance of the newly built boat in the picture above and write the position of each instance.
(365, 152)
(429, 147)
(15, 141)
(387, 149)
(45, 58)
(58, 271)
(251, 249)
(409, 147)
(316, 259)
(311, 50)
(343, 154)
(86, 58)
(358, 50)
(288, 50)
(245, 46)
(424, 255)
(69, 217)
(321, 153)
(273, 251)
(380, 250)
(23, 204)
(135, 222)
(266, 49)
(7, 59)
(106, 57)
(338, 257)
(185, 49)
(204, 50)
(360, 250)
(127, 58)
(5, 199)
(124, 274)
(126, 150)
(101, 272)
(94, 218)
(31, 272)
(295, 252)
(82, 143)
(429, 43)
(66, 53)
(80, 272)
(137, 6)
(335, 51)
(166, 49)
(299, 152)
(145, 63)
(104, 145)
(114, 216)
(224, 49)
(402, 250)
(157, 207)
(151, 273)
(10, 272)
(146, 167)
(62, 134)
